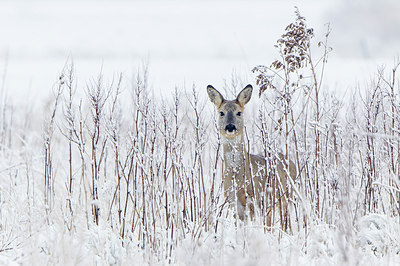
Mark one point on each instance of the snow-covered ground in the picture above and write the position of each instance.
(167, 152)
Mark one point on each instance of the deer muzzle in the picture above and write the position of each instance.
(230, 128)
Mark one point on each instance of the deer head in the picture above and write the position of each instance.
(230, 113)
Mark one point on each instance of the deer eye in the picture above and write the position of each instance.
(239, 113)
(222, 113)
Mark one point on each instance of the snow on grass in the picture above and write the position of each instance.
(131, 177)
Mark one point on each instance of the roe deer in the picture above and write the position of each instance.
(244, 175)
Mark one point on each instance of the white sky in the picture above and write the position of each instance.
(185, 42)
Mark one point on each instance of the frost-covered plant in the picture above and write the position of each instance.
(121, 177)
(295, 81)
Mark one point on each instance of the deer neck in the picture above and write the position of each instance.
(234, 154)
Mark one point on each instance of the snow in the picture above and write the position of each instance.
(183, 43)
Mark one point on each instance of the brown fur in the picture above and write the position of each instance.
(244, 174)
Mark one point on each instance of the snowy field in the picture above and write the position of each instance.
(109, 152)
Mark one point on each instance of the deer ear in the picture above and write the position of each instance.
(245, 95)
(215, 96)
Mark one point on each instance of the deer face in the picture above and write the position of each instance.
(230, 113)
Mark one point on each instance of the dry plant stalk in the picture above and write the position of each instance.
(290, 78)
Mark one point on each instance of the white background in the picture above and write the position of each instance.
(184, 42)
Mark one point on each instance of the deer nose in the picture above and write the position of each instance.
(230, 128)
